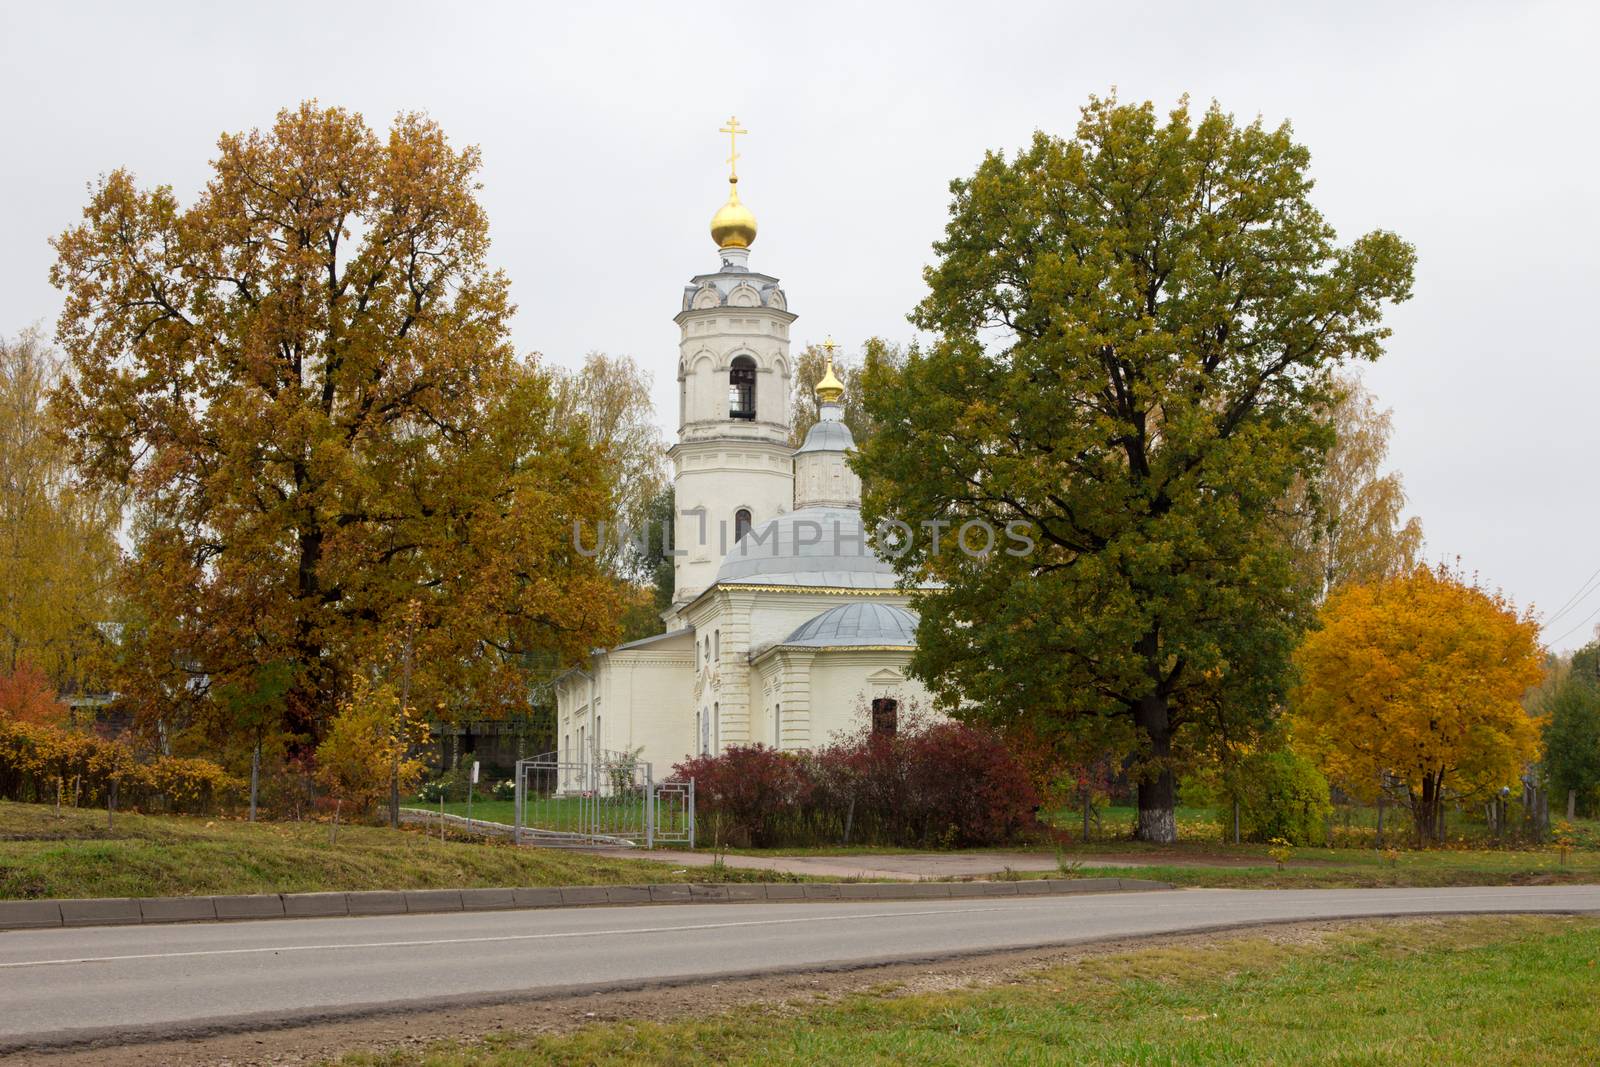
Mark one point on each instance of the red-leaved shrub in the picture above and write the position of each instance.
(939, 784)
(747, 791)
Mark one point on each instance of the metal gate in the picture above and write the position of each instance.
(607, 798)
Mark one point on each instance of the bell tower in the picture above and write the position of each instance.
(732, 464)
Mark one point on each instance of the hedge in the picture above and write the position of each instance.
(40, 763)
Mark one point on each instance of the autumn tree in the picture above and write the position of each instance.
(804, 410)
(610, 397)
(1135, 332)
(1420, 678)
(58, 537)
(27, 696)
(1346, 517)
(371, 746)
(305, 381)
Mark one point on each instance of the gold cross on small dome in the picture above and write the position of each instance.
(733, 130)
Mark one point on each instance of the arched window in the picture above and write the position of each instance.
(742, 388)
(741, 524)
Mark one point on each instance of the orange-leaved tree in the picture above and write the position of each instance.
(306, 382)
(1419, 677)
(26, 695)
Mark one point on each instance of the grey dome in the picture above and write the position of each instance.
(818, 546)
(859, 622)
(827, 435)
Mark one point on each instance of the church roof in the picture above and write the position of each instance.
(859, 622)
(827, 435)
(818, 546)
(654, 639)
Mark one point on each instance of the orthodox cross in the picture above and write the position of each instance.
(733, 130)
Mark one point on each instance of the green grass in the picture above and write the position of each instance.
(1351, 825)
(554, 813)
(1424, 869)
(169, 855)
(485, 808)
(1500, 990)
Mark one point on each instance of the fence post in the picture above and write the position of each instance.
(516, 790)
(649, 813)
(691, 815)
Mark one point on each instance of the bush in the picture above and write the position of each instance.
(1282, 796)
(749, 793)
(36, 761)
(940, 785)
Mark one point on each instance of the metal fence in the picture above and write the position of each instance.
(600, 798)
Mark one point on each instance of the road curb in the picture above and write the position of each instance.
(127, 911)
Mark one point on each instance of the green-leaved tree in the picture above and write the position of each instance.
(1135, 333)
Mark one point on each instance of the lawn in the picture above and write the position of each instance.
(1358, 869)
(1479, 990)
(1351, 825)
(485, 808)
(76, 856)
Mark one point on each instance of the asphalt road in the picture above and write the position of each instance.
(61, 986)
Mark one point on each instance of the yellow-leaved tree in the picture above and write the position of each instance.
(1419, 677)
(371, 741)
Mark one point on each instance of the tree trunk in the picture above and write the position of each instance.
(1572, 804)
(1236, 820)
(1157, 786)
(308, 698)
(1427, 811)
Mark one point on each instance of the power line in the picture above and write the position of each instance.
(1573, 600)
(1578, 627)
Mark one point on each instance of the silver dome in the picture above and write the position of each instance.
(859, 622)
(817, 546)
(828, 435)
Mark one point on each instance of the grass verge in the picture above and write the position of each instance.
(169, 855)
(1478, 990)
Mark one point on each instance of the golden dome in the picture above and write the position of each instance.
(830, 388)
(733, 226)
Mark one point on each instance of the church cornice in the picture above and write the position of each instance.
(810, 590)
(690, 314)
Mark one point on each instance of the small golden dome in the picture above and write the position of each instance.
(733, 226)
(830, 388)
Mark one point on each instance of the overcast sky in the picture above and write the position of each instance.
(1468, 129)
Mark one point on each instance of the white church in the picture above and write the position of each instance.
(785, 627)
